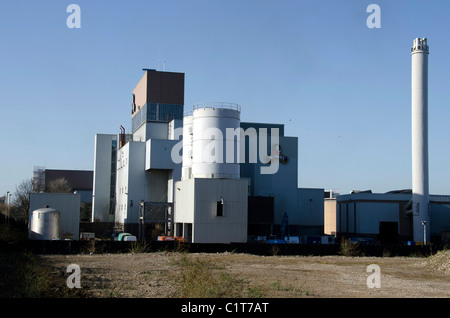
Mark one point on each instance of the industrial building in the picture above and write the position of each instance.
(104, 180)
(205, 175)
(79, 181)
(404, 215)
(386, 218)
(201, 174)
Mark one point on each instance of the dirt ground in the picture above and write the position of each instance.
(152, 274)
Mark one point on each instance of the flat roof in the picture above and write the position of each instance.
(395, 197)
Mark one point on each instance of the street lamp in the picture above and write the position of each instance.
(7, 206)
(424, 223)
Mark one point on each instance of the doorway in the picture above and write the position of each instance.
(388, 233)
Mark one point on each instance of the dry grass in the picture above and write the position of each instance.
(201, 278)
(24, 276)
(440, 262)
(349, 249)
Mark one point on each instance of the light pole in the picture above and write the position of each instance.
(141, 220)
(424, 223)
(7, 207)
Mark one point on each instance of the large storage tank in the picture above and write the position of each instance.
(186, 170)
(215, 142)
(44, 224)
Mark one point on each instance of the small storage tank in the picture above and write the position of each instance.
(44, 224)
(216, 140)
(186, 170)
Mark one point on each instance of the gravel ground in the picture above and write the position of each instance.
(153, 275)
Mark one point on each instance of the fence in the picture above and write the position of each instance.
(80, 247)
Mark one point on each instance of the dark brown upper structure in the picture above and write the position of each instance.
(158, 96)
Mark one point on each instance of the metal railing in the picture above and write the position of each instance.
(220, 105)
(214, 105)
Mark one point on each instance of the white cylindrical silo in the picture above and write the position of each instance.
(419, 115)
(186, 170)
(44, 224)
(216, 138)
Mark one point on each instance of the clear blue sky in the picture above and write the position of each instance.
(341, 88)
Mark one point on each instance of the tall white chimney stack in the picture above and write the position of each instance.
(419, 112)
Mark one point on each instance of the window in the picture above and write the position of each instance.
(156, 112)
(219, 209)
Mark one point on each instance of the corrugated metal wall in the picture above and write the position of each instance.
(68, 204)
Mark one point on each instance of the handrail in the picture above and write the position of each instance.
(223, 105)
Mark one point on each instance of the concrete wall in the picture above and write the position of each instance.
(365, 217)
(439, 218)
(140, 93)
(134, 183)
(145, 169)
(373, 214)
(304, 206)
(282, 185)
(140, 134)
(173, 177)
(122, 184)
(159, 154)
(184, 201)
(157, 130)
(330, 216)
(68, 204)
(102, 177)
(151, 130)
(196, 203)
(131, 181)
(173, 126)
(310, 207)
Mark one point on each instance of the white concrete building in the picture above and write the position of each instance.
(104, 187)
(211, 210)
(164, 184)
(211, 200)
